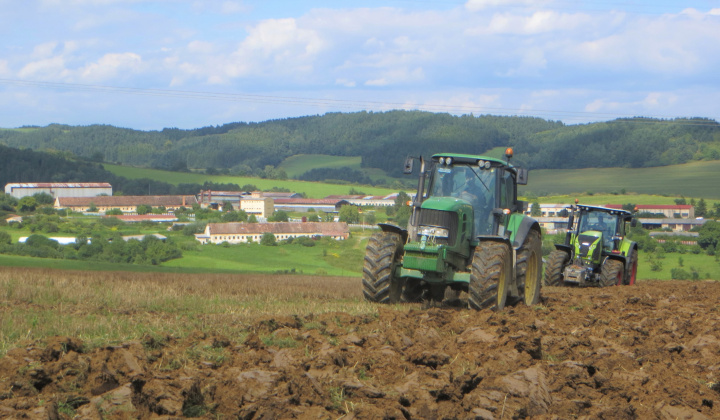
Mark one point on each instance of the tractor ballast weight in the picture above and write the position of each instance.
(467, 233)
(596, 251)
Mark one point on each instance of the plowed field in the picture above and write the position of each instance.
(630, 352)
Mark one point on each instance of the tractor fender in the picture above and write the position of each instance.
(522, 231)
(389, 227)
(565, 248)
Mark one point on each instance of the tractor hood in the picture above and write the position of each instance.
(589, 244)
(446, 204)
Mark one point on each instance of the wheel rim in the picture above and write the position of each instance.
(633, 273)
(619, 278)
(502, 290)
(531, 277)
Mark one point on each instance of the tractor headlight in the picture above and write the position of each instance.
(434, 231)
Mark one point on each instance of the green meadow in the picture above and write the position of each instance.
(299, 164)
(311, 189)
(697, 179)
(657, 185)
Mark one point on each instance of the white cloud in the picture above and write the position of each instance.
(45, 69)
(110, 66)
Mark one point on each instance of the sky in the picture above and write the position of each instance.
(152, 64)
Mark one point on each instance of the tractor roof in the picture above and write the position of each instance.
(471, 159)
(614, 212)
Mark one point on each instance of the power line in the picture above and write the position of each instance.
(345, 104)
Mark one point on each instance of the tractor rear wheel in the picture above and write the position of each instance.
(554, 268)
(631, 273)
(489, 276)
(382, 254)
(529, 268)
(611, 273)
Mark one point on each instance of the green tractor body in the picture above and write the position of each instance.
(596, 251)
(466, 233)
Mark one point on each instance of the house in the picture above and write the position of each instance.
(671, 211)
(367, 200)
(236, 233)
(137, 218)
(549, 210)
(250, 202)
(126, 203)
(327, 205)
(59, 189)
(675, 225)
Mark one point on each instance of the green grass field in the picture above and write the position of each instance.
(311, 189)
(299, 164)
(697, 179)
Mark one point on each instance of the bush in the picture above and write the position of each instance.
(268, 239)
(5, 238)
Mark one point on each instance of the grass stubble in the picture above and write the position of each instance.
(105, 308)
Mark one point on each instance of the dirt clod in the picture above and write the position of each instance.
(647, 351)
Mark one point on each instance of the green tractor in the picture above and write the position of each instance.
(596, 251)
(467, 233)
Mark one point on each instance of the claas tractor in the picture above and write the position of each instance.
(467, 233)
(596, 251)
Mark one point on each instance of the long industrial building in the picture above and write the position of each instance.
(59, 189)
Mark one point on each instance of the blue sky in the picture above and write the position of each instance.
(167, 63)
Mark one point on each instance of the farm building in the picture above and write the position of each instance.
(59, 189)
(126, 203)
(251, 203)
(236, 233)
(326, 205)
(671, 211)
(367, 200)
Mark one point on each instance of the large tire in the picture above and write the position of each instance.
(383, 251)
(611, 273)
(489, 276)
(556, 262)
(529, 268)
(631, 272)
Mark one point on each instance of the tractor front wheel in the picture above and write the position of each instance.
(383, 251)
(554, 268)
(529, 268)
(611, 273)
(489, 276)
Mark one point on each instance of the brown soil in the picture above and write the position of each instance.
(644, 351)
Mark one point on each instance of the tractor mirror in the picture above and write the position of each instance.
(633, 222)
(408, 165)
(563, 213)
(522, 176)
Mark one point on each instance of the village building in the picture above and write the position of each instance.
(255, 202)
(366, 200)
(126, 203)
(155, 218)
(325, 205)
(237, 233)
(58, 189)
(670, 211)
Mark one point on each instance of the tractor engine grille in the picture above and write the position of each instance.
(443, 219)
(586, 242)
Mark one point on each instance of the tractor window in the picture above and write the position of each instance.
(601, 222)
(472, 184)
(507, 192)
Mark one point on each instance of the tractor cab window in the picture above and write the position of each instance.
(472, 184)
(601, 222)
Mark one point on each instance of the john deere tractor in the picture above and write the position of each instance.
(596, 251)
(467, 233)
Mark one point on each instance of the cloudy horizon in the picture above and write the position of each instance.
(151, 64)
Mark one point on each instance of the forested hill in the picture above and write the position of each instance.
(383, 140)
